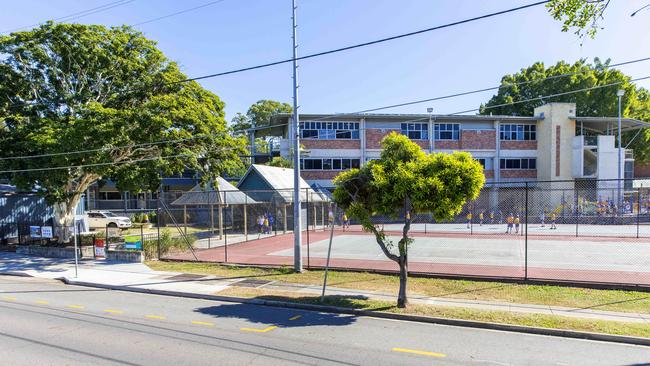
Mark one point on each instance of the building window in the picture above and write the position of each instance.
(329, 164)
(110, 196)
(508, 132)
(416, 131)
(447, 131)
(329, 130)
(482, 162)
(518, 164)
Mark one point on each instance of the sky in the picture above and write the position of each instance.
(238, 33)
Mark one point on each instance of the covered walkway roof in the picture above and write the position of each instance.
(222, 193)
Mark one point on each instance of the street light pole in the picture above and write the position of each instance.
(431, 141)
(620, 94)
(297, 233)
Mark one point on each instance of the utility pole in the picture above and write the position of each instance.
(619, 198)
(297, 232)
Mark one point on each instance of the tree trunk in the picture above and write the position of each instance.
(63, 220)
(402, 300)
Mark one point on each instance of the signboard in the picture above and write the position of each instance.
(133, 242)
(46, 232)
(100, 248)
(34, 231)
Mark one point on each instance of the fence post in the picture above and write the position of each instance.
(471, 220)
(638, 210)
(307, 226)
(158, 218)
(225, 237)
(578, 209)
(526, 233)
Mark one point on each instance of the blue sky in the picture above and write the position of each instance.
(239, 33)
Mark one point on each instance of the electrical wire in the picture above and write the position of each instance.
(77, 15)
(177, 13)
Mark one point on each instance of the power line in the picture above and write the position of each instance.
(111, 163)
(77, 15)
(341, 49)
(177, 13)
(106, 148)
(92, 165)
(358, 45)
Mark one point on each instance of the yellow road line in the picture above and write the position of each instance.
(295, 317)
(10, 298)
(417, 352)
(259, 330)
(112, 311)
(42, 302)
(207, 324)
(76, 306)
(159, 317)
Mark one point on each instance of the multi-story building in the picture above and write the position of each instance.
(551, 145)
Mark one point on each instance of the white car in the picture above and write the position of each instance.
(102, 219)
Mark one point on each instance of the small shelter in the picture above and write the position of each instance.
(275, 185)
(222, 194)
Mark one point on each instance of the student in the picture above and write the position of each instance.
(492, 217)
(265, 223)
(346, 222)
(553, 218)
(469, 219)
(271, 222)
(480, 219)
(517, 224)
(509, 221)
(260, 223)
(330, 218)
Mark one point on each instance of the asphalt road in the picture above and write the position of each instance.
(45, 322)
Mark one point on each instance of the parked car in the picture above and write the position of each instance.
(101, 219)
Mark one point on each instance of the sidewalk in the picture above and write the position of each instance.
(139, 276)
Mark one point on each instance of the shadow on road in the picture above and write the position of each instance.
(282, 317)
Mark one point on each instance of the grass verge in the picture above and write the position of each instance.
(610, 300)
(533, 320)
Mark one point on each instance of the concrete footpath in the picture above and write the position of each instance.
(138, 276)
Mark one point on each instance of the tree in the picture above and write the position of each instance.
(281, 162)
(583, 16)
(113, 94)
(406, 181)
(259, 114)
(531, 83)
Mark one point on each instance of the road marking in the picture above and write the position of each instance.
(112, 311)
(259, 330)
(10, 298)
(76, 306)
(207, 324)
(159, 317)
(417, 352)
(295, 317)
(42, 302)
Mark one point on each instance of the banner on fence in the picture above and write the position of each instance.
(46, 232)
(100, 248)
(34, 231)
(133, 242)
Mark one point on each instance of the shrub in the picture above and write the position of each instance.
(167, 244)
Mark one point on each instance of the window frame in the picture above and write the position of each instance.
(452, 130)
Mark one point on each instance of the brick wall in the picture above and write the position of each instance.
(488, 173)
(642, 170)
(331, 144)
(518, 145)
(447, 145)
(531, 173)
(319, 174)
(477, 139)
(374, 136)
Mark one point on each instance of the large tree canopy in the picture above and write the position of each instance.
(71, 87)
(405, 179)
(581, 16)
(259, 114)
(531, 83)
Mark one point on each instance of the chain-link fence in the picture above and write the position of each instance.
(577, 231)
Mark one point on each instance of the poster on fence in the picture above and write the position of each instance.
(34, 231)
(46, 232)
(100, 248)
(133, 242)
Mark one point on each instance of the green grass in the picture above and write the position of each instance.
(533, 320)
(611, 300)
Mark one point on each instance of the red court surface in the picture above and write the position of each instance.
(561, 257)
